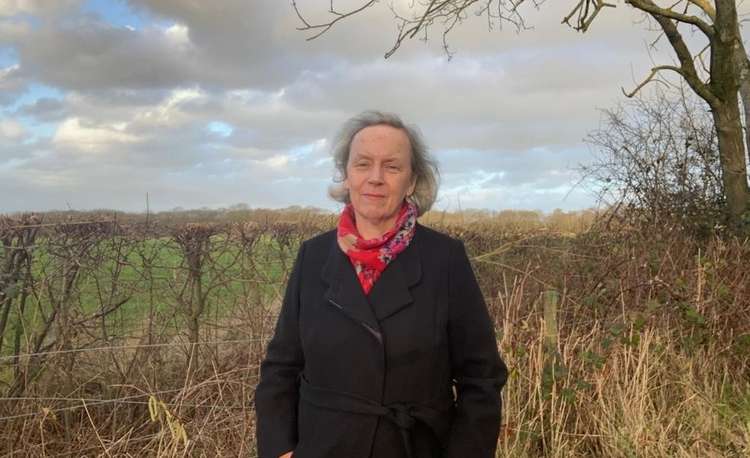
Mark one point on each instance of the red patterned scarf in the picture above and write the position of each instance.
(370, 257)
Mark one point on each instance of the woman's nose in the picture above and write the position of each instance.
(376, 175)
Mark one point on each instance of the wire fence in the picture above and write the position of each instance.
(131, 347)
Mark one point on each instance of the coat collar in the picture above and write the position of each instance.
(390, 293)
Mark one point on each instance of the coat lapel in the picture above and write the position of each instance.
(389, 295)
(344, 291)
(391, 291)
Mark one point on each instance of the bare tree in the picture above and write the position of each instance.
(718, 83)
(657, 159)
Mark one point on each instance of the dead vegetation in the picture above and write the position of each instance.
(122, 337)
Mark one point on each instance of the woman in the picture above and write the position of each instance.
(383, 347)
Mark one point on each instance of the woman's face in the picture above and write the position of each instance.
(379, 174)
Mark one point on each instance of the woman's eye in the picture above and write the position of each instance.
(393, 167)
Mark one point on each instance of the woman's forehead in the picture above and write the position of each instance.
(380, 141)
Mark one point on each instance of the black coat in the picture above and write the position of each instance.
(410, 369)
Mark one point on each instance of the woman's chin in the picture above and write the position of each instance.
(375, 213)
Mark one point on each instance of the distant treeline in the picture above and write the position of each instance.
(557, 220)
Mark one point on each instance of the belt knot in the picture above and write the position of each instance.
(401, 415)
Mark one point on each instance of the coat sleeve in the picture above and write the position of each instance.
(277, 393)
(478, 371)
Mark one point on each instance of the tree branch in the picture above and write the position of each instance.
(450, 11)
(699, 56)
(424, 16)
(325, 26)
(706, 6)
(650, 77)
(685, 57)
(665, 13)
(584, 17)
(427, 13)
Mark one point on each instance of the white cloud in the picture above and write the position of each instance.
(172, 110)
(12, 83)
(7, 73)
(178, 34)
(14, 7)
(11, 130)
(232, 86)
(279, 161)
(88, 137)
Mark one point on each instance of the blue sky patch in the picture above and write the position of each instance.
(8, 56)
(35, 92)
(220, 128)
(115, 12)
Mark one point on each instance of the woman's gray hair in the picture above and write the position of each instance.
(423, 166)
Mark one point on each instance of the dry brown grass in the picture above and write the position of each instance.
(649, 358)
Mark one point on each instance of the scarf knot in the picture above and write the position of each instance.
(370, 257)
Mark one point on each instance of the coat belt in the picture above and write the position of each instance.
(436, 415)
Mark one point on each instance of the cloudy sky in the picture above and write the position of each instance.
(214, 103)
